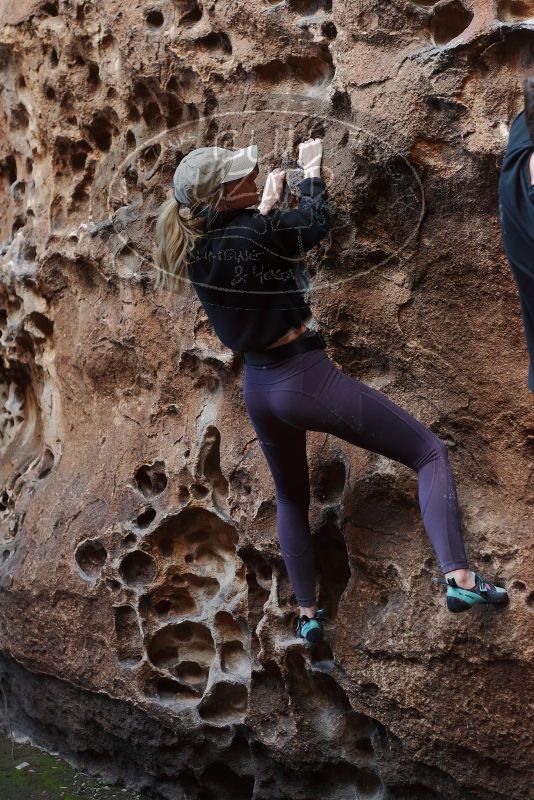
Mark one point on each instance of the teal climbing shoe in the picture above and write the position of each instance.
(459, 599)
(311, 629)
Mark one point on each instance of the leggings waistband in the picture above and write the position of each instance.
(307, 341)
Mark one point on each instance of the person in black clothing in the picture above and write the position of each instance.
(516, 207)
(246, 264)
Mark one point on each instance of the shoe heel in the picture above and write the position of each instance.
(315, 635)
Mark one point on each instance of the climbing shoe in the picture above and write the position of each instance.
(459, 599)
(311, 629)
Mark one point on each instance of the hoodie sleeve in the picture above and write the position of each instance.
(519, 141)
(292, 232)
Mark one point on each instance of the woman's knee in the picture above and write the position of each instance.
(436, 450)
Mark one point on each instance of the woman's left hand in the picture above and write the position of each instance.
(272, 191)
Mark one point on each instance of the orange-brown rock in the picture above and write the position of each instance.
(147, 623)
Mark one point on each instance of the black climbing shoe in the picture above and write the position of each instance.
(459, 599)
(311, 629)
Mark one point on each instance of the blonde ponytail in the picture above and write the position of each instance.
(176, 234)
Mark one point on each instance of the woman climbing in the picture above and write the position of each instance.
(245, 264)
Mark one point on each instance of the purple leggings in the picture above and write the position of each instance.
(307, 392)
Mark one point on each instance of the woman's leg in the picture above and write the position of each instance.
(322, 398)
(284, 447)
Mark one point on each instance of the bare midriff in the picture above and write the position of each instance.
(293, 333)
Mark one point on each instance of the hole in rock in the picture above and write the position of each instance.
(448, 21)
(209, 460)
(530, 601)
(356, 735)
(166, 546)
(189, 672)
(138, 568)
(42, 323)
(313, 69)
(51, 9)
(329, 481)
(149, 156)
(227, 627)
(133, 114)
(152, 114)
(211, 558)
(256, 563)
(130, 138)
(189, 11)
(20, 117)
(6, 554)
(128, 634)
(188, 643)
(91, 556)
(515, 10)
(141, 92)
(151, 478)
(519, 586)
(239, 754)
(365, 747)
(234, 659)
(175, 109)
(199, 491)
(163, 607)
(332, 566)
(144, 519)
(9, 169)
(130, 538)
(204, 587)
(217, 43)
(329, 30)
(176, 538)
(107, 41)
(196, 537)
(20, 221)
(154, 18)
(222, 781)
(224, 703)
(101, 131)
(46, 463)
(79, 153)
(164, 601)
(93, 76)
(369, 786)
(167, 689)
(257, 597)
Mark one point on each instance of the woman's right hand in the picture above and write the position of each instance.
(310, 155)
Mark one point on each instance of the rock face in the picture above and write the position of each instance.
(146, 617)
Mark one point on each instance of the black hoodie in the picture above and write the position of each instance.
(248, 272)
(516, 207)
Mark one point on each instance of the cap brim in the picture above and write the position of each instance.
(242, 162)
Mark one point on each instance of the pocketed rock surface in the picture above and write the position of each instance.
(147, 623)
